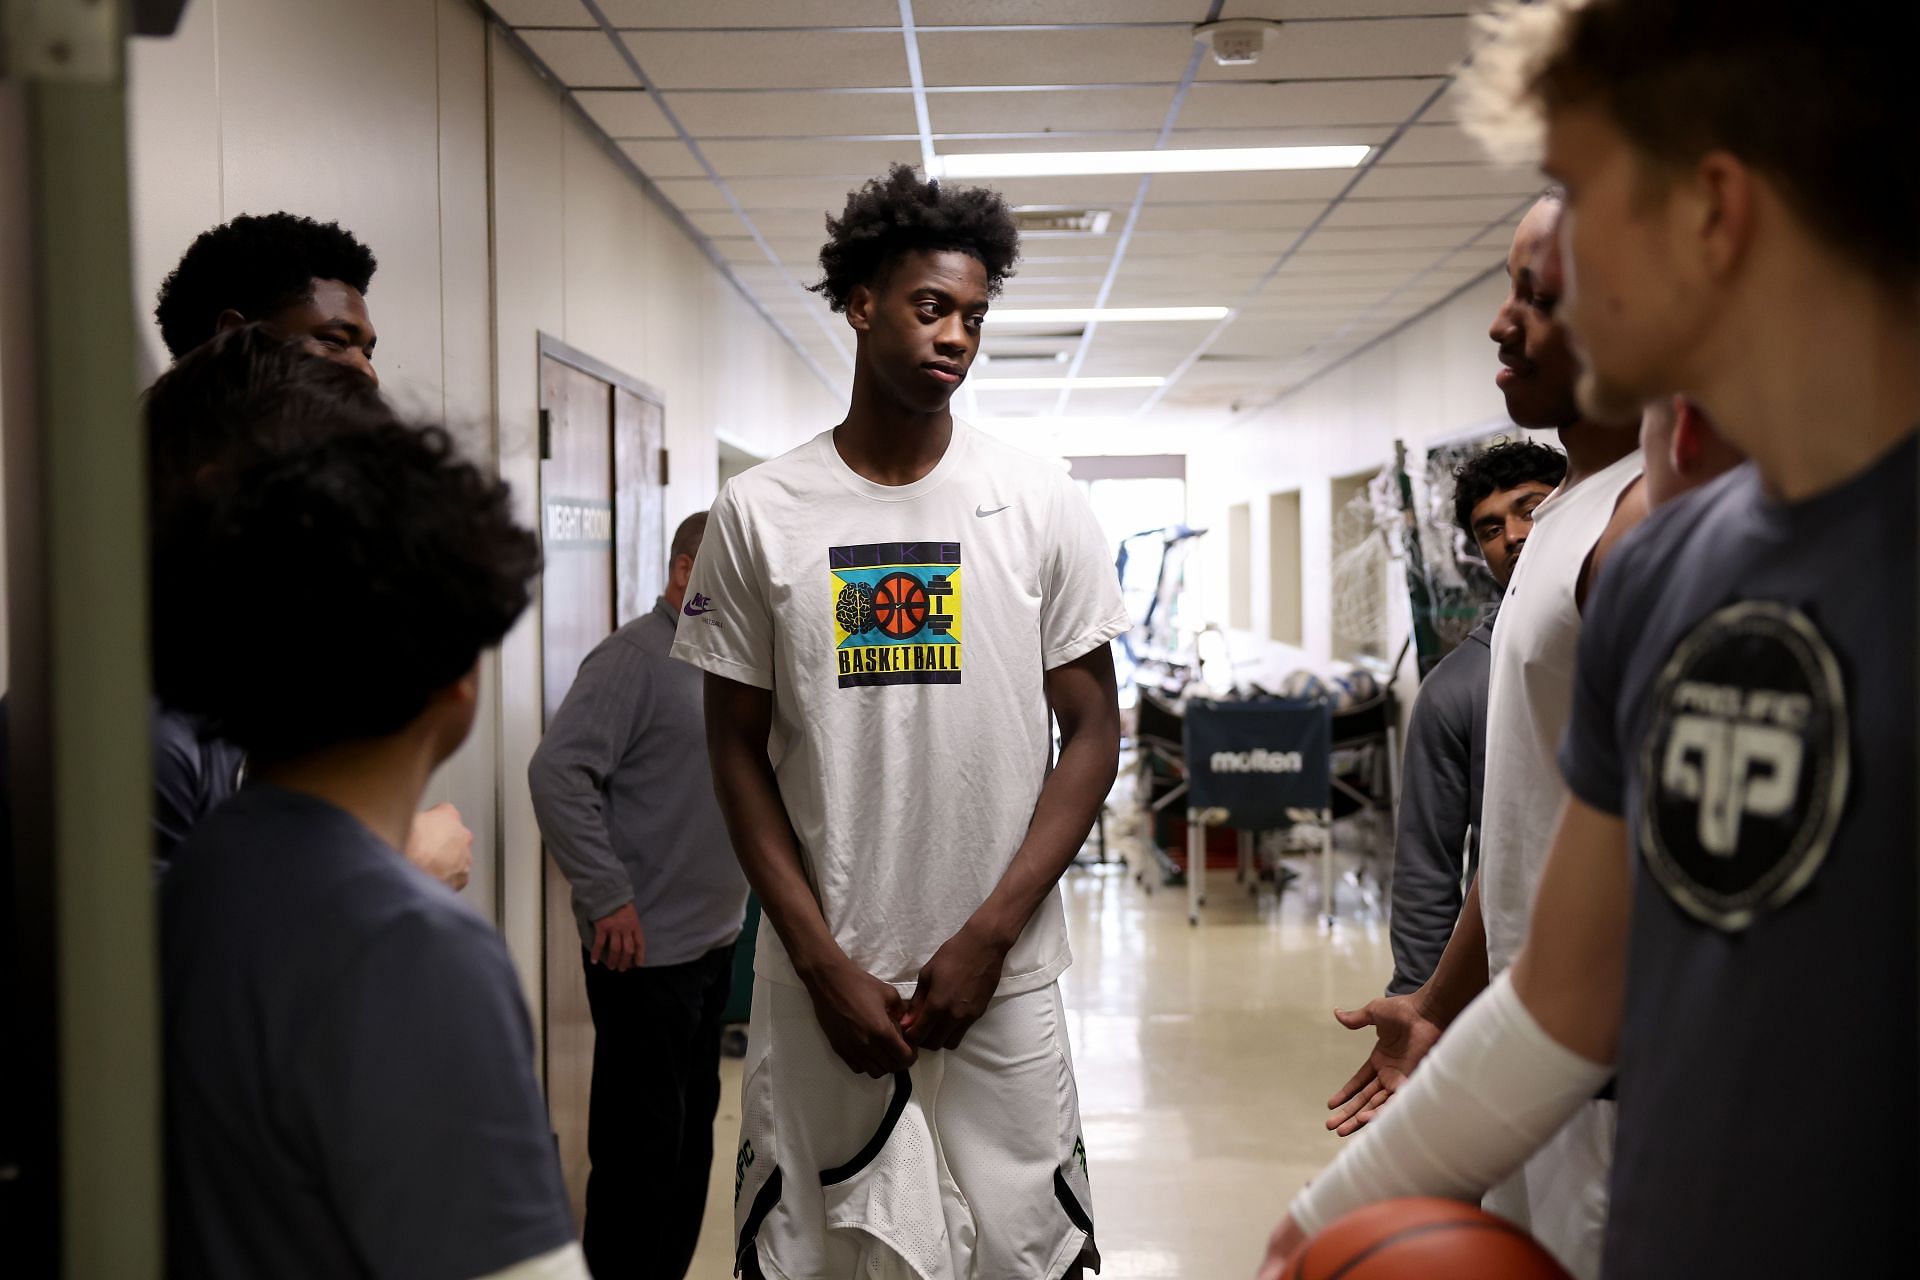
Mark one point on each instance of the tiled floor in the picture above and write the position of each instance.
(1204, 1056)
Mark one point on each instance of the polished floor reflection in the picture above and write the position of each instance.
(1205, 1057)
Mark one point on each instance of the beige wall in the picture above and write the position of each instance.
(496, 216)
(1428, 383)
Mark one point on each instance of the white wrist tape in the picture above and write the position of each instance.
(1494, 1089)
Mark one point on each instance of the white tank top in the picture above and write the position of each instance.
(1530, 698)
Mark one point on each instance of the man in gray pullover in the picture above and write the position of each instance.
(1494, 495)
(626, 807)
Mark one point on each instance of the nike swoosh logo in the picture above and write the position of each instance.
(983, 513)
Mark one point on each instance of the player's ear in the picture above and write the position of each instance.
(860, 305)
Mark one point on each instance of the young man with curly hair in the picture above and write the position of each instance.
(305, 280)
(1438, 827)
(899, 605)
(350, 1084)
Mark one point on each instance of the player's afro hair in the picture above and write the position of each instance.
(257, 264)
(899, 214)
(1506, 465)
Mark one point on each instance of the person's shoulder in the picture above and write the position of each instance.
(1457, 680)
(799, 469)
(1648, 550)
(1009, 463)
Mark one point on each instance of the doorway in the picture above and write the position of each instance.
(603, 474)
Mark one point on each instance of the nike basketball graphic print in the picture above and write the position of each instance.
(896, 613)
(1746, 763)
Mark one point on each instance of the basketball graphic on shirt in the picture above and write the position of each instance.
(900, 606)
(896, 612)
(853, 608)
(1745, 763)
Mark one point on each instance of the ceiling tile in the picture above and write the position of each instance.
(1239, 217)
(1068, 110)
(543, 13)
(736, 115)
(1342, 8)
(1375, 239)
(1386, 212)
(856, 160)
(798, 195)
(580, 57)
(1435, 144)
(1054, 57)
(1142, 141)
(1285, 184)
(1420, 181)
(1226, 105)
(625, 113)
(1326, 50)
(770, 59)
(752, 13)
(1107, 191)
(932, 13)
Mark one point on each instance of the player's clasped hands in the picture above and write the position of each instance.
(1402, 1036)
(861, 1017)
(953, 990)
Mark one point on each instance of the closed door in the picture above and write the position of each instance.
(601, 511)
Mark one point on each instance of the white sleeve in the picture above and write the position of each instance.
(564, 1263)
(726, 626)
(1494, 1089)
(1080, 605)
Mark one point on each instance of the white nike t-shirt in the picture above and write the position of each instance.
(905, 631)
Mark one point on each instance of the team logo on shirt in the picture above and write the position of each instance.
(1745, 763)
(896, 613)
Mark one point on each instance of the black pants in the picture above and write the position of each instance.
(656, 1085)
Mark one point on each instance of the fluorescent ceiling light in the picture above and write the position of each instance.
(1050, 164)
(1105, 315)
(1054, 384)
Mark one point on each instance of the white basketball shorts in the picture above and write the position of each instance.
(969, 1166)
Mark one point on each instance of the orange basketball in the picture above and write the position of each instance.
(1422, 1239)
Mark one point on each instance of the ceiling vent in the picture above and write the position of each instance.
(1236, 42)
(1061, 220)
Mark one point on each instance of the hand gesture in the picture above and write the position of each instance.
(953, 990)
(1402, 1036)
(861, 1018)
(618, 942)
(440, 845)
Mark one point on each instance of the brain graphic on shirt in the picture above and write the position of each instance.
(854, 608)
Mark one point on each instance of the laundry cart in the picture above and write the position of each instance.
(1257, 765)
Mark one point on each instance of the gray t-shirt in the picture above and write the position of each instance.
(1439, 821)
(1745, 701)
(625, 799)
(349, 1064)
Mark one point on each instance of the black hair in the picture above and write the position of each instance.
(243, 394)
(1506, 465)
(900, 214)
(257, 264)
(686, 538)
(323, 592)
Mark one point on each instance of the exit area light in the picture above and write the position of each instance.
(1049, 164)
(1105, 315)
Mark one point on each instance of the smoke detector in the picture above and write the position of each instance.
(1236, 42)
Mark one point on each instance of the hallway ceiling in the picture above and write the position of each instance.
(755, 131)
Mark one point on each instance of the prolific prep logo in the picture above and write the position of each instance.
(896, 613)
(1259, 760)
(1745, 764)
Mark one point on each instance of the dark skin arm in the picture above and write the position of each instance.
(956, 984)
(859, 1013)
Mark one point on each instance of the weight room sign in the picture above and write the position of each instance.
(578, 524)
